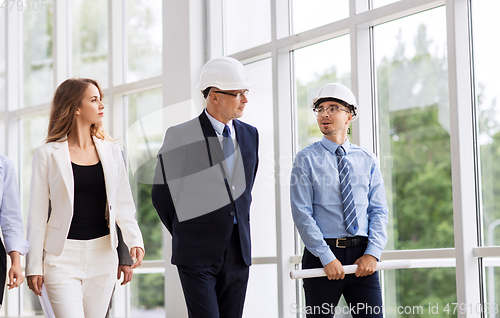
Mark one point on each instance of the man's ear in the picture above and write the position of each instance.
(349, 120)
(212, 97)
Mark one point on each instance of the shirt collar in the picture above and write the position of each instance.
(218, 126)
(332, 146)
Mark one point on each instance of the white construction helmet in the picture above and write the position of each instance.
(339, 92)
(225, 73)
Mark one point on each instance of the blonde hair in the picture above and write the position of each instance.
(67, 98)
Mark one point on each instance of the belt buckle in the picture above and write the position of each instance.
(337, 242)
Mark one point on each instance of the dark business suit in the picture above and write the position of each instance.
(211, 252)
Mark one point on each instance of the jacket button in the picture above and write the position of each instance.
(110, 207)
(234, 187)
(231, 213)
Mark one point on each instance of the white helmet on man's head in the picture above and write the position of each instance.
(225, 73)
(337, 92)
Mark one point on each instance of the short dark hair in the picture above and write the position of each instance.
(206, 91)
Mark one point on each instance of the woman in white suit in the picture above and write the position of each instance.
(79, 189)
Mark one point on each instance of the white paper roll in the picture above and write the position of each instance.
(45, 303)
(349, 269)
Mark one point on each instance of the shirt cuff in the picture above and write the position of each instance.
(374, 251)
(327, 257)
(16, 244)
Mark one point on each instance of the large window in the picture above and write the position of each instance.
(414, 129)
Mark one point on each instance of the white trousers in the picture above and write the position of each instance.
(80, 281)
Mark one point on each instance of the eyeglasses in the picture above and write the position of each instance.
(238, 96)
(329, 110)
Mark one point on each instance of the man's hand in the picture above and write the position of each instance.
(16, 276)
(137, 255)
(334, 270)
(128, 273)
(367, 264)
(35, 283)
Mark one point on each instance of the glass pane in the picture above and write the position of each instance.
(144, 39)
(141, 152)
(2, 60)
(90, 40)
(2, 138)
(259, 113)
(308, 15)
(486, 70)
(262, 292)
(38, 61)
(315, 66)
(421, 292)
(34, 131)
(246, 24)
(414, 129)
(492, 285)
(147, 299)
(381, 3)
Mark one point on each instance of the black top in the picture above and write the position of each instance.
(89, 215)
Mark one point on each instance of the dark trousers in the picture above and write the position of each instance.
(218, 290)
(362, 294)
(3, 270)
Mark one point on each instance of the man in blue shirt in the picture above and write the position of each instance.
(11, 223)
(340, 210)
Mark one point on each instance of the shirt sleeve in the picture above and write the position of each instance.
(301, 197)
(377, 213)
(11, 220)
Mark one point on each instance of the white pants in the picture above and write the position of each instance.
(80, 281)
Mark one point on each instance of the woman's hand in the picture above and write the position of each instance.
(35, 283)
(128, 273)
(16, 277)
(137, 255)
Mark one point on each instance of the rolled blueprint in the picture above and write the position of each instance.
(349, 269)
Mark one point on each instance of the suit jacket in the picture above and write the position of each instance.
(52, 179)
(194, 196)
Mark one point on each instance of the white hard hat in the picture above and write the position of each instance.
(225, 73)
(340, 92)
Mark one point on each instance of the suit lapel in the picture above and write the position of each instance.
(63, 161)
(215, 154)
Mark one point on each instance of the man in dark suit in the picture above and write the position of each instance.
(202, 192)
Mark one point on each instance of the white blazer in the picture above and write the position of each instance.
(52, 178)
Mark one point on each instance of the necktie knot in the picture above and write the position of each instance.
(340, 151)
(226, 132)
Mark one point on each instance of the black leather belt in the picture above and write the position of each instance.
(344, 242)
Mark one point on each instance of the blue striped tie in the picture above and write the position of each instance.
(351, 221)
(228, 149)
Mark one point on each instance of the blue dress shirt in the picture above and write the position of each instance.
(11, 220)
(316, 198)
